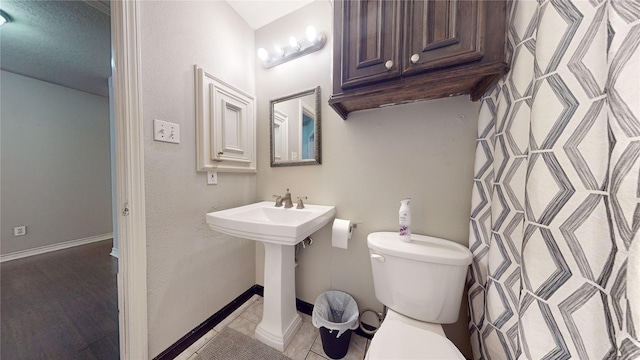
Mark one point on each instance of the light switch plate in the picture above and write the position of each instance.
(212, 177)
(166, 131)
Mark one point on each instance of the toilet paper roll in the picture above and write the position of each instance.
(341, 233)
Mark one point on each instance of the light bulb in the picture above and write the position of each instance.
(278, 50)
(293, 42)
(311, 33)
(263, 54)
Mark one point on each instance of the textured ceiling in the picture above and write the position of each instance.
(69, 43)
(62, 42)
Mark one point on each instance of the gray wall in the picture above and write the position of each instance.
(55, 163)
(369, 162)
(192, 270)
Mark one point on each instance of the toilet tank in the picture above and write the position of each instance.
(422, 279)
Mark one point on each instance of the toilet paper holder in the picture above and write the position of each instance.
(341, 232)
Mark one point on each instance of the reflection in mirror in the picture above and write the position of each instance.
(295, 129)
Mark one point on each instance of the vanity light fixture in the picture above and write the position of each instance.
(314, 41)
(4, 18)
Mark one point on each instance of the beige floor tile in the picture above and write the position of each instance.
(244, 326)
(254, 312)
(314, 356)
(237, 312)
(305, 317)
(306, 345)
(186, 355)
(191, 350)
(357, 348)
(301, 343)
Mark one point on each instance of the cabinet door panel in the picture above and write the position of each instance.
(441, 34)
(370, 47)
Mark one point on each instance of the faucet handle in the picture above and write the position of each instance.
(278, 200)
(300, 203)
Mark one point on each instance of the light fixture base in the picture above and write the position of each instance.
(291, 53)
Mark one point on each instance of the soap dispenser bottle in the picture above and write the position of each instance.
(405, 220)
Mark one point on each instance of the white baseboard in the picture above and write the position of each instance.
(115, 252)
(49, 248)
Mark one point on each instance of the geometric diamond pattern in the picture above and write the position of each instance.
(584, 63)
(593, 259)
(547, 271)
(518, 128)
(556, 105)
(514, 178)
(579, 310)
(554, 189)
(498, 312)
(494, 339)
(588, 148)
(539, 332)
(555, 219)
(559, 21)
(520, 80)
(499, 259)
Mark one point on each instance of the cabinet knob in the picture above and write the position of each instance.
(415, 58)
(388, 64)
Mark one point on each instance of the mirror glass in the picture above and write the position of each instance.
(295, 129)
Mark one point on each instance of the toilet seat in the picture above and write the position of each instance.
(400, 337)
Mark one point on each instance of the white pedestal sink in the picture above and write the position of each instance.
(279, 229)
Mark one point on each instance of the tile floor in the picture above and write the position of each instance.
(306, 345)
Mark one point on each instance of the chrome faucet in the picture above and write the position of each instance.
(287, 200)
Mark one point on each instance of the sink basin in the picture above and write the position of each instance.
(279, 229)
(264, 222)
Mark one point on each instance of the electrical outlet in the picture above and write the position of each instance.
(212, 177)
(166, 131)
(20, 230)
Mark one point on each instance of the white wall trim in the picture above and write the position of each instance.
(53, 247)
(132, 236)
(114, 252)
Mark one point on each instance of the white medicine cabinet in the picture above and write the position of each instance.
(226, 126)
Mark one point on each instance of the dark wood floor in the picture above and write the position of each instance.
(60, 305)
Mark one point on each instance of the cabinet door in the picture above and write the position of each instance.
(226, 123)
(370, 41)
(442, 33)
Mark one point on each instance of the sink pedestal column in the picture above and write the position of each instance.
(280, 319)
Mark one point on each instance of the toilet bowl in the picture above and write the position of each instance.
(421, 282)
(400, 337)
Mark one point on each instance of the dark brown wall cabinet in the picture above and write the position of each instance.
(389, 52)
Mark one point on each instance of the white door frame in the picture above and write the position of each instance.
(132, 264)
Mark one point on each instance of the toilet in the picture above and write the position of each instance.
(421, 283)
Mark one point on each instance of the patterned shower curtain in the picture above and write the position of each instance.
(555, 209)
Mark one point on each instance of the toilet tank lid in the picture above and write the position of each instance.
(420, 248)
